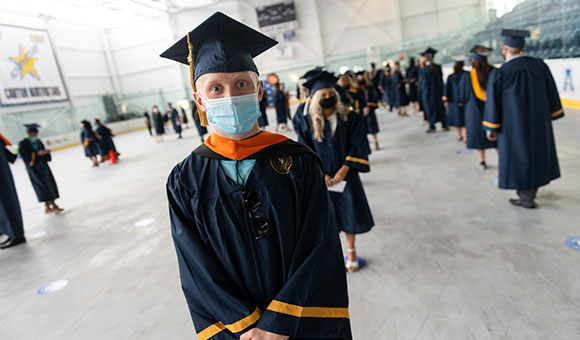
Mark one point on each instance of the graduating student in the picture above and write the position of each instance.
(36, 159)
(252, 222)
(356, 101)
(147, 120)
(400, 100)
(202, 130)
(183, 116)
(472, 95)
(412, 75)
(522, 101)
(372, 104)
(10, 213)
(337, 136)
(105, 141)
(175, 120)
(431, 83)
(386, 86)
(281, 109)
(89, 142)
(158, 123)
(456, 110)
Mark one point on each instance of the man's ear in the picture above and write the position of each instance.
(199, 101)
(260, 90)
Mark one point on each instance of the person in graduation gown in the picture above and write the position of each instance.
(105, 141)
(400, 100)
(472, 95)
(420, 80)
(175, 120)
(412, 75)
(280, 106)
(89, 141)
(10, 214)
(36, 158)
(369, 111)
(183, 116)
(522, 101)
(263, 119)
(147, 120)
(431, 82)
(337, 136)
(201, 130)
(456, 110)
(253, 224)
(158, 123)
(386, 87)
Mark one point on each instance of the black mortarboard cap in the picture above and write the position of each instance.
(311, 73)
(459, 59)
(430, 51)
(32, 127)
(515, 38)
(321, 80)
(220, 45)
(480, 53)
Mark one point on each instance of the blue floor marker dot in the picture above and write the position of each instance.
(464, 151)
(495, 182)
(573, 242)
(52, 287)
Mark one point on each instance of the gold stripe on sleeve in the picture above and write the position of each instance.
(357, 160)
(234, 327)
(33, 159)
(491, 125)
(308, 312)
(557, 112)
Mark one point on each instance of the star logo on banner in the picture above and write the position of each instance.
(25, 63)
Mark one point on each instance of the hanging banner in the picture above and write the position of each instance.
(29, 72)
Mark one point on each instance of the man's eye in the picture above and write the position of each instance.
(216, 88)
(241, 84)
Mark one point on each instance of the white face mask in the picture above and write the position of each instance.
(233, 115)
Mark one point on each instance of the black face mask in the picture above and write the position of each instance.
(328, 103)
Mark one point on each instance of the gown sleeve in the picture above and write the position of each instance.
(27, 152)
(492, 112)
(313, 302)
(357, 157)
(216, 310)
(556, 110)
(301, 127)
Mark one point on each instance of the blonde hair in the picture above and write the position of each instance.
(317, 117)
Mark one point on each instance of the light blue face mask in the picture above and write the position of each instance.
(33, 138)
(233, 115)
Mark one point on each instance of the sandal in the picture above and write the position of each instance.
(352, 266)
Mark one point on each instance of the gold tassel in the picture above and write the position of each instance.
(202, 115)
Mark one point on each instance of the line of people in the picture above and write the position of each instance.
(157, 121)
(98, 142)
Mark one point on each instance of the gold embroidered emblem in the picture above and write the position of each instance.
(281, 165)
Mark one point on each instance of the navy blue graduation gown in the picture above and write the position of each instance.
(291, 281)
(280, 105)
(371, 121)
(106, 143)
(89, 142)
(474, 106)
(344, 148)
(431, 83)
(358, 102)
(175, 121)
(386, 83)
(158, 123)
(38, 170)
(10, 213)
(456, 109)
(412, 77)
(522, 101)
(399, 92)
